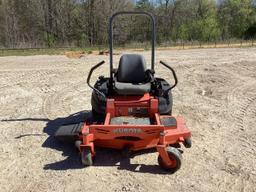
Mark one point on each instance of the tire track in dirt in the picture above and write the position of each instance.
(52, 106)
(13, 167)
(22, 77)
(58, 104)
(239, 161)
(219, 83)
(242, 98)
(214, 78)
(11, 78)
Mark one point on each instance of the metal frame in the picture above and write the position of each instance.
(89, 78)
(153, 36)
(174, 76)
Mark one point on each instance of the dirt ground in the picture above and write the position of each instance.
(216, 95)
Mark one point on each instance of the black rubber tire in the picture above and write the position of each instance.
(187, 143)
(165, 104)
(171, 102)
(86, 157)
(175, 145)
(98, 104)
(173, 154)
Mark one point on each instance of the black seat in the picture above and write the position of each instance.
(131, 77)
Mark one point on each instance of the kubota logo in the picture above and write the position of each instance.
(127, 130)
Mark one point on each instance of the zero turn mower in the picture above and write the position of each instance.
(132, 110)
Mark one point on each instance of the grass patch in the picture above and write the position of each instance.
(102, 50)
(89, 52)
(50, 51)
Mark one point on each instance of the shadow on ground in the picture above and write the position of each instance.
(104, 157)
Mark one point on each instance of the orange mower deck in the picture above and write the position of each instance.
(157, 135)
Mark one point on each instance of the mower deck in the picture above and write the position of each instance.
(135, 135)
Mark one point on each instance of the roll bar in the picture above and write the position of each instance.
(153, 36)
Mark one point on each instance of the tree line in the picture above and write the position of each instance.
(80, 23)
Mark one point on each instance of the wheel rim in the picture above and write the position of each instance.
(172, 160)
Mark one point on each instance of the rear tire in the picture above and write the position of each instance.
(86, 157)
(165, 104)
(176, 158)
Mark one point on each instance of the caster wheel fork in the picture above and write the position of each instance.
(86, 157)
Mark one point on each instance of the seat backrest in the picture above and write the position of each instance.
(132, 69)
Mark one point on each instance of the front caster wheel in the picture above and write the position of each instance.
(175, 157)
(86, 157)
(187, 143)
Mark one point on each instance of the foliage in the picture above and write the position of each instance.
(83, 23)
